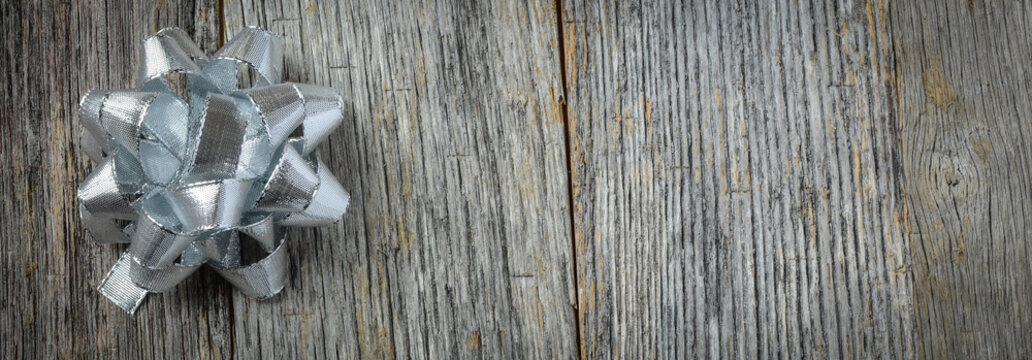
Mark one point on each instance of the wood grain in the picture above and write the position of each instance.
(53, 53)
(737, 189)
(735, 179)
(457, 245)
(964, 91)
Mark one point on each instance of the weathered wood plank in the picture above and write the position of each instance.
(964, 91)
(457, 241)
(736, 177)
(52, 53)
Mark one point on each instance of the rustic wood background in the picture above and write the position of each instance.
(564, 179)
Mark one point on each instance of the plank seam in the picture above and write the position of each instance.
(220, 9)
(567, 135)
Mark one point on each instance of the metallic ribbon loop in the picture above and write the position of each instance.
(168, 51)
(194, 181)
(280, 106)
(323, 112)
(291, 185)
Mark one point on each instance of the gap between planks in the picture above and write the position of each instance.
(567, 135)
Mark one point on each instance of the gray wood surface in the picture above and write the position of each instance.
(457, 244)
(965, 130)
(571, 179)
(52, 54)
(737, 180)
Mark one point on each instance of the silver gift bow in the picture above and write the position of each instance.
(193, 181)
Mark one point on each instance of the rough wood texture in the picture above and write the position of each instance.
(457, 245)
(52, 54)
(746, 179)
(964, 95)
(736, 180)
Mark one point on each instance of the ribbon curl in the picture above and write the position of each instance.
(192, 180)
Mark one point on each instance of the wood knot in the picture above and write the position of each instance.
(937, 87)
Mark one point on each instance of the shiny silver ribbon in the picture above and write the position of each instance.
(205, 177)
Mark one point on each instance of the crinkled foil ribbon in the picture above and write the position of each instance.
(192, 181)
